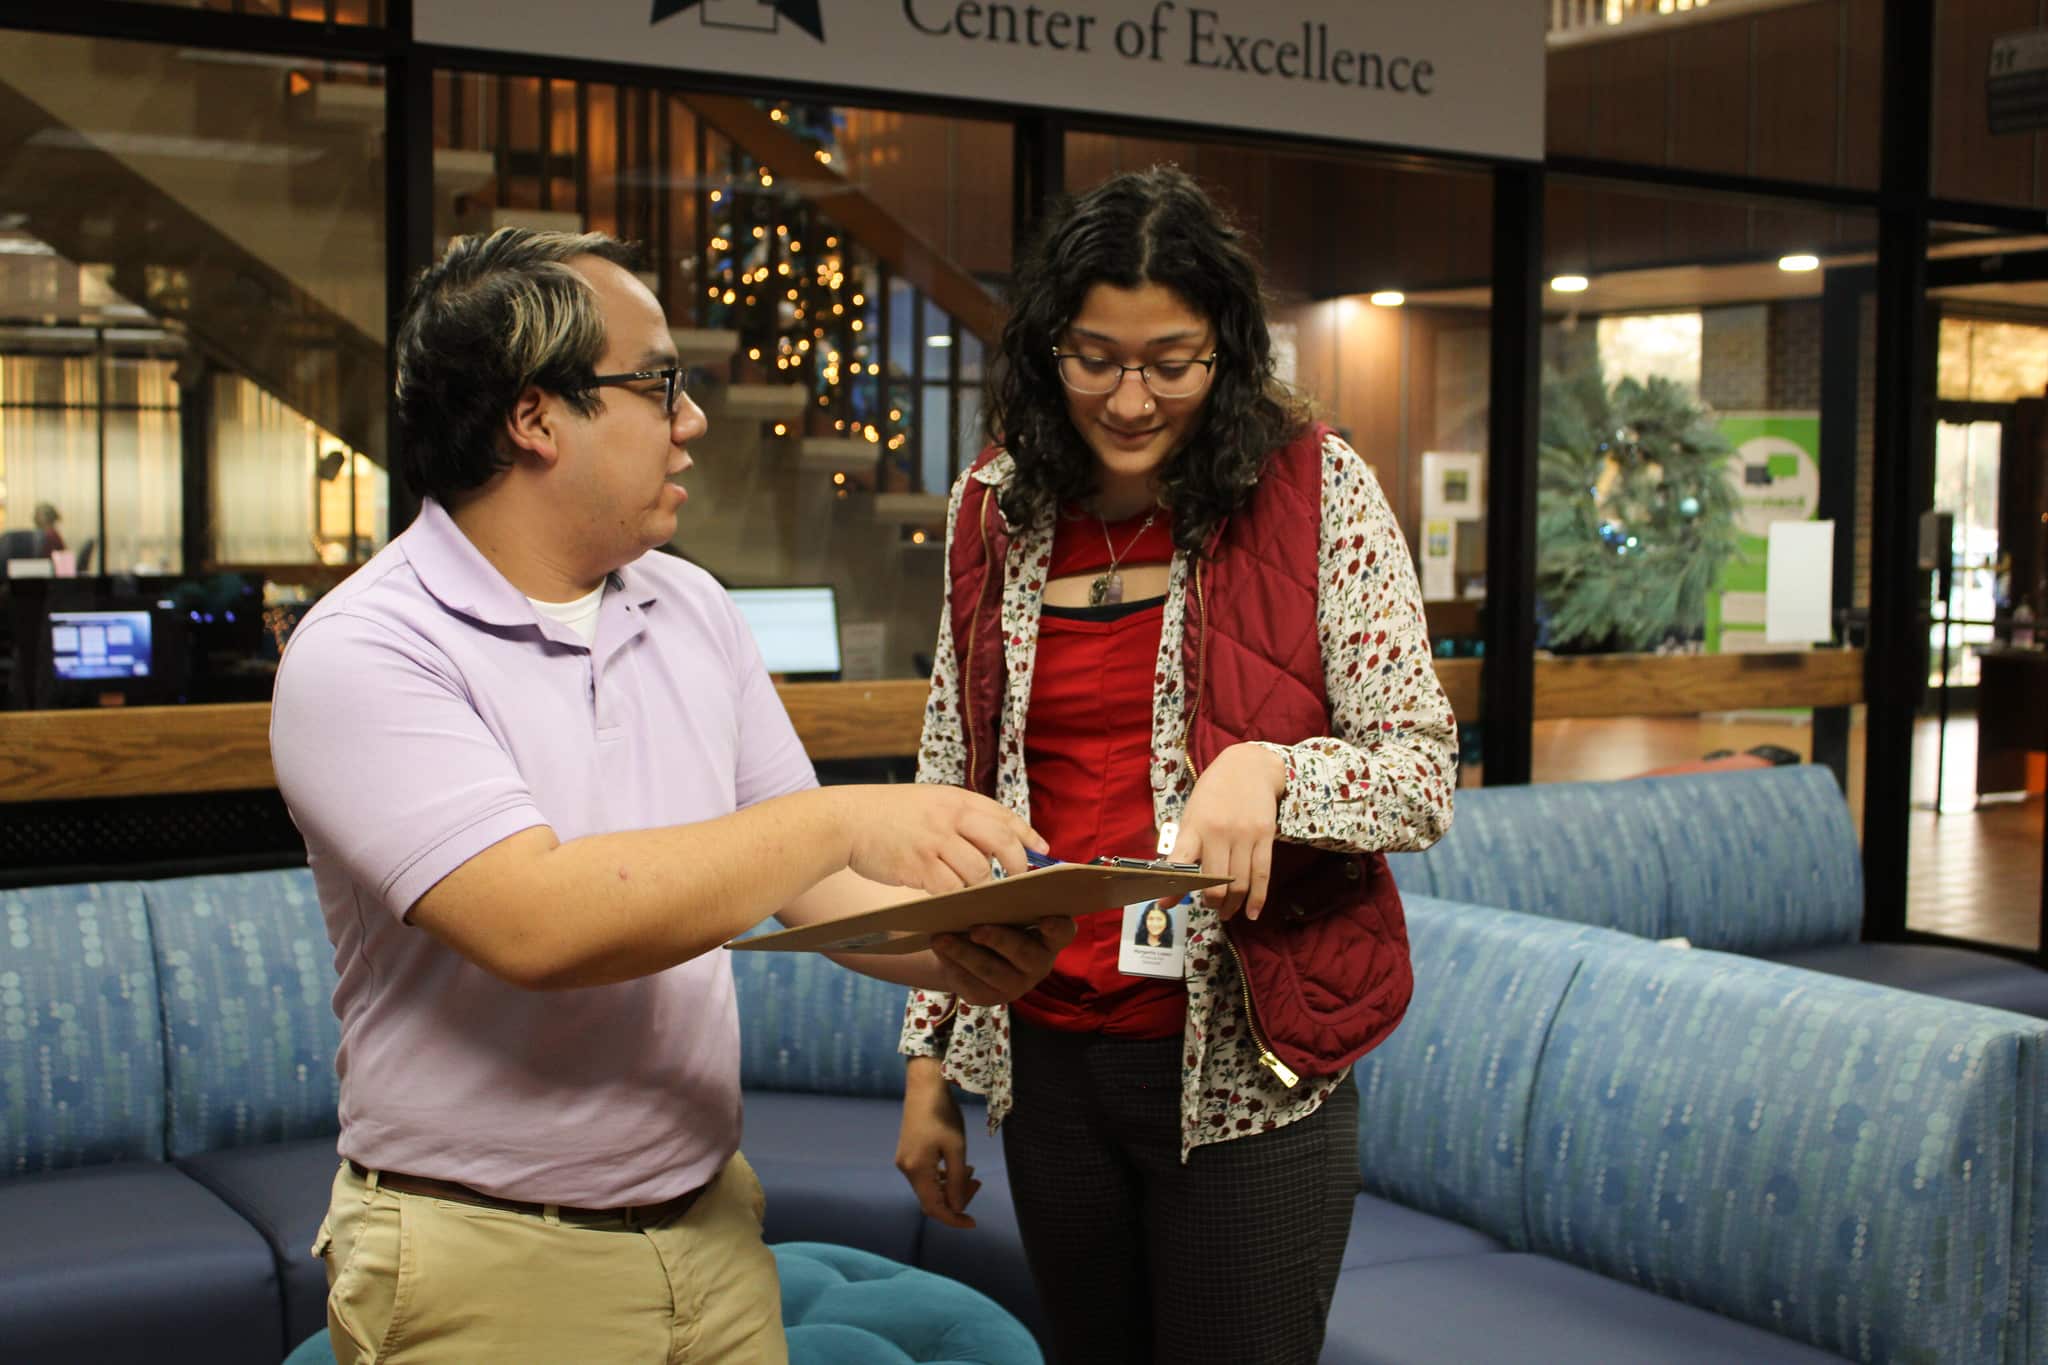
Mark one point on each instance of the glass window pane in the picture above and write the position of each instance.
(935, 440)
(177, 192)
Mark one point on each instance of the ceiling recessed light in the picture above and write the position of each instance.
(1390, 298)
(1799, 261)
(1569, 284)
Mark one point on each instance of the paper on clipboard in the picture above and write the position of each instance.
(1064, 889)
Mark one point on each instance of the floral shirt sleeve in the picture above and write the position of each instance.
(941, 758)
(1382, 779)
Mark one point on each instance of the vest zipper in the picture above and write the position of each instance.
(1267, 1057)
(990, 572)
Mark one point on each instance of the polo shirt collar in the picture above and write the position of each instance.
(452, 569)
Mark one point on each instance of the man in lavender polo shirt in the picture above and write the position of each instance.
(542, 775)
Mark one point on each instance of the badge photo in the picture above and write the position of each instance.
(1154, 940)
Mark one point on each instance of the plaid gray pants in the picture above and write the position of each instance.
(1231, 1258)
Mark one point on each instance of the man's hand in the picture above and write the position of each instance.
(1229, 824)
(993, 964)
(934, 838)
(931, 1149)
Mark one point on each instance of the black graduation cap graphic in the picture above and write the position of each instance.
(762, 16)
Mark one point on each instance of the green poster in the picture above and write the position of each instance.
(1775, 473)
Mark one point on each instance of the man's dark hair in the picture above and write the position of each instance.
(492, 318)
(1155, 226)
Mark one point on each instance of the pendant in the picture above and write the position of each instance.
(1106, 590)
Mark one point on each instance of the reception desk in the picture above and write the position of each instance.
(2012, 715)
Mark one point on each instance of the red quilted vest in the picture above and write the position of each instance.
(1325, 966)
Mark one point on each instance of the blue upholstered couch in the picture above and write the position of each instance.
(167, 1120)
(1762, 862)
(1579, 1146)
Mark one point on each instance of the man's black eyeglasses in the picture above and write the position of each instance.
(671, 379)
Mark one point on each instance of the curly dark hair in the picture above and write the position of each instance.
(493, 317)
(1155, 226)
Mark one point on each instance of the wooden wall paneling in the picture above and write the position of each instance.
(1629, 114)
(1781, 231)
(1238, 179)
(1567, 229)
(1707, 228)
(1139, 153)
(1862, 95)
(1295, 230)
(1470, 258)
(1422, 232)
(1316, 347)
(1421, 327)
(1685, 685)
(981, 209)
(1630, 230)
(1091, 159)
(1570, 74)
(1798, 83)
(601, 168)
(1969, 161)
(1370, 370)
(1710, 94)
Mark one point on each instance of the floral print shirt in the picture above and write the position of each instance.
(1382, 780)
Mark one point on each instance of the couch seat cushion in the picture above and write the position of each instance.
(282, 1190)
(1931, 969)
(132, 1262)
(827, 1164)
(1386, 1233)
(1532, 1310)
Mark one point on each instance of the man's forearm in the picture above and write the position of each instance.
(611, 907)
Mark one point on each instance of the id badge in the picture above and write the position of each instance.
(1154, 941)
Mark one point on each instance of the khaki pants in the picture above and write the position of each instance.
(413, 1280)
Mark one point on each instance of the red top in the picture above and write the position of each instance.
(1088, 755)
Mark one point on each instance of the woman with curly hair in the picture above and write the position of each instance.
(1179, 617)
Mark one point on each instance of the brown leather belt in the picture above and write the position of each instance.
(632, 1216)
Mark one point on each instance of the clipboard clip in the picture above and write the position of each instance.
(1146, 865)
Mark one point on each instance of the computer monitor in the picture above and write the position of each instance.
(100, 646)
(797, 628)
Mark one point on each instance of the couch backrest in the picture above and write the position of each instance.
(248, 1012)
(1763, 860)
(1446, 1100)
(81, 1053)
(1848, 1166)
(1758, 860)
(806, 1023)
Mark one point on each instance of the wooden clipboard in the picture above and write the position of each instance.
(1066, 889)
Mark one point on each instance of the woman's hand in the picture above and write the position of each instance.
(931, 1149)
(1229, 824)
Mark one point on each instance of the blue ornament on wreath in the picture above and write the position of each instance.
(1688, 507)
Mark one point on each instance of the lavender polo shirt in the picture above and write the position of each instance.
(424, 711)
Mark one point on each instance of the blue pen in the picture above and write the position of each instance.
(1033, 858)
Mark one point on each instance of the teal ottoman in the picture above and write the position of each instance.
(847, 1307)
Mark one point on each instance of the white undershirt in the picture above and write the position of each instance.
(579, 615)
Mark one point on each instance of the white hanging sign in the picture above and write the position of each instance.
(1452, 75)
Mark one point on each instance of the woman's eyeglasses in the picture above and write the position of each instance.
(1095, 376)
(671, 379)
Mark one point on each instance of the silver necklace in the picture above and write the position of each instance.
(1108, 587)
